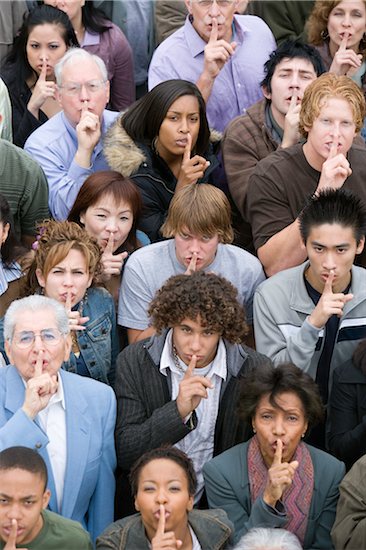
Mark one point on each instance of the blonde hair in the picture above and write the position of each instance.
(201, 209)
(331, 86)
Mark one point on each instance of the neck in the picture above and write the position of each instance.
(315, 160)
(77, 23)
(279, 117)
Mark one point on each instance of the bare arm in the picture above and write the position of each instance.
(135, 335)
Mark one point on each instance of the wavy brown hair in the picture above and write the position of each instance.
(201, 295)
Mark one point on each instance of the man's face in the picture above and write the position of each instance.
(191, 338)
(22, 497)
(331, 248)
(188, 245)
(203, 11)
(79, 72)
(335, 124)
(25, 359)
(290, 77)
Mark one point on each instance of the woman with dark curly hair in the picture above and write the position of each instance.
(181, 385)
(274, 479)
(66, 267)
(337, 28)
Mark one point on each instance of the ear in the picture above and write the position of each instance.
(188, 6)
(40, 278)
(190, 503)
(136, 505)
(82, 218)
(68, 345)
(5, 233)
(46, 498)
(8, 351)
(360, 246)
(90, 281)
(266, 93)
(58, 96)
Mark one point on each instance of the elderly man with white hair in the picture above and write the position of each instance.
(67, 418)
(68, 146)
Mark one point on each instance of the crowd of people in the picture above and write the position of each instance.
(182, 274)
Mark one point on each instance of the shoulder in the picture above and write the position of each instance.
(88, 387)
(234, 253)
(66, 530)
(48, 133)
(149, 255)
(99, 295)
(252, 22)
(109, 117)
(121, 152)
(230, 461)
(15, 157)
(327, 468)
(281, 280)
(279, 158)
(348, 373)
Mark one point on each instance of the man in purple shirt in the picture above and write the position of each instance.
(221, 52)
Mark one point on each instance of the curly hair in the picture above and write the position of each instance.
(317, 23)
(55, 241)
(275, 380)
(165, 452)
(331, 86)
(205, 295)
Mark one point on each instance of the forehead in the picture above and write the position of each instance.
(350, 5)
(109, 202)
(162, 470)
(332, 234)
(284, 400)
(185, 103)
(336, 106)
(80, 69)
(46, 32)
(19, 483)
(295, 64)
(35, 320)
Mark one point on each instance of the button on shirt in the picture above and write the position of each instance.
(237, 86)
(199, 443)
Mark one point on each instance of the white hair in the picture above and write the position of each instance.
(34, 304)
(261, 538)
(73, 54)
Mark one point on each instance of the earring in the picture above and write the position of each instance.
(254, 431)
(324, 34)
(303, 435)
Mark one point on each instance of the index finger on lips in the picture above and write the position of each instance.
(39, 364)
(110, 243)
(188, 148)
(161, 523)
(214, 30)
(191, 367)
(343, 44)
(328, 285)
(277, 459)
(68, 303)
(333, 150)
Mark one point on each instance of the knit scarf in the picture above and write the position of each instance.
(297, 497)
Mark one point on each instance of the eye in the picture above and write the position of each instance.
(266, 416)
(318, 248)
(49, 336)
(3, 500)
(184, 236)
(194, 119)
(175, 489)
(148, 489)
(124, 218)
(206, 238)
(208, 332)
(25, 338)
(187, 330)
(101, 216)
(34, 46)
(54, 46)
(292, 418)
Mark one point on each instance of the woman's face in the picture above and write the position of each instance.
(45, 46)
(163, 482)
(106, 219)
(349, 16)
(182, 117)
(71, 7)
(69, 277)
(4, 232)
(287, 423)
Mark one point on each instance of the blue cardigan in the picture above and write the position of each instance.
(227, 487)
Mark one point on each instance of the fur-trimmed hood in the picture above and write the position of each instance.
(124, 155)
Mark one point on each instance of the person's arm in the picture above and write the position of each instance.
(122, 82)
(135, 335)
(33, 203)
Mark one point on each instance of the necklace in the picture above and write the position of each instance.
(176, 360)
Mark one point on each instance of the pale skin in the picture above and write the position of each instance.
(330, 303)
(164, 540)
(217, 53)
(291, 134)
(286, 249)
(76, 321)
(345, 61)
(112, 263)
(280, 476)
(43, 90)
(192, 168)
(39, 390)
(88, 132)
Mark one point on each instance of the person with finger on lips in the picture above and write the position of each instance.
(221, 52)
(314, 315)
(275, 479)
(69, 146)
(68, 419)
(331, 115)
(181, 385)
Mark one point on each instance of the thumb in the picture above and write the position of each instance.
(214, 31)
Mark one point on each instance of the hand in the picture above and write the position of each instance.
(112, 264)
(192, 265)
(329, 304)
(217, 52)
(345, 61)
(39, 389)
(88, 130)
(191, 390)
(291, 134)
(192, 169)
(76, 321)
(335, 170)
(163, 540)
(12, 539)
(43, 89)
(280, 476)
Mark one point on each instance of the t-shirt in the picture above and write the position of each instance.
(58, 533)
(150, 267)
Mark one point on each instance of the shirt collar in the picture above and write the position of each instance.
(196, 44)
(90, 39)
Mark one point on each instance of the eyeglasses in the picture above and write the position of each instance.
(26, 338)
(74, 88)
(220, 3)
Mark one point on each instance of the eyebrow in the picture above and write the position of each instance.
(180, 112)
(340, 245)
(4, 495)
(302, 71)
(108, 211)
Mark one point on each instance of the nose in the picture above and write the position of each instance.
(194, 246)
(278, 426)
(335, 129)
(67, 279)
(329, 261)
(43, 54)
(195, 343)
(111, 225)
(346, 21)
(84, 94)
(184, 126)
(214, 9)
(38, 344)
(295, 81)
(14, 512)
(161, 496)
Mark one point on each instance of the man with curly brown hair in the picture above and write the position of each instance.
(181, 385)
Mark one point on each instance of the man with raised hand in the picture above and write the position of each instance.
(270, 124)
(314, 315)
(331, 115)
(68, 146)
(181, 386)
(24, 497)
(221, 52)
(67, 418)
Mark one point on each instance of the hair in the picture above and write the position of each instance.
(23, 458)
(143, 119)
(74, 54)
(34, 304)
(121, 189)
(55, 241)
(205, 295)
(266, 538)
(334, 206)
(275, 380)
(329, 86)
(40, 15)
(201, 209)
(291, 49)
(165, 452)
(317, 23)
(11, 249)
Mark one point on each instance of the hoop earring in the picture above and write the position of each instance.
(324, 34)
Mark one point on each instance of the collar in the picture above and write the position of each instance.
(196, 44)
(90, 39)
